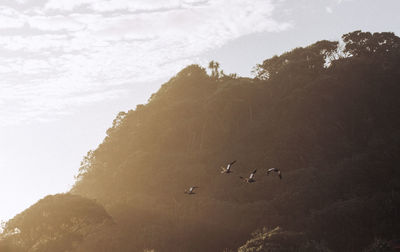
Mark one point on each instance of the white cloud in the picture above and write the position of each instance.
(329, 9)
(113, 5)
(54, 23)
(66, 5)
(342, 1)
(77, 58)
(10, 18)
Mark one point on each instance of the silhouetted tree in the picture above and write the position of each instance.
(55, 223)
(360, 43)
(214, 67)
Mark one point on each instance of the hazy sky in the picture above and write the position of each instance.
(67, 67)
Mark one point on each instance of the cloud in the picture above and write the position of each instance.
(66, 5)
(10, 18)
(114, 5)
(342, 1)
(55, 23)
(61, 54)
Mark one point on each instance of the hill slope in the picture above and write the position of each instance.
(328, 118)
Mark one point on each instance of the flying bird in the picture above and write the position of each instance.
(191, 190)
(251, 178)
(275, 170)
(228, 168)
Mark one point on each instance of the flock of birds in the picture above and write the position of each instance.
(250, 179)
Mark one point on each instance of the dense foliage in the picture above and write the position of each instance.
(55, 223)
(327, 115)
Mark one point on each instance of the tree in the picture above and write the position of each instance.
(310, 59)
(193, 71)
(214, 67)
(55, 223)
(360, 43)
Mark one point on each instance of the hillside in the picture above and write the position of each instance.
(328, 116)
(55, 223)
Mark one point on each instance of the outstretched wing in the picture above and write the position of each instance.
(232, 162)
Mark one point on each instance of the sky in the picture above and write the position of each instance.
(67, 67)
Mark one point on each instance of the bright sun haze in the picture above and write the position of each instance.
(68, 67)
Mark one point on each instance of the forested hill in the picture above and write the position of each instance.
(327, 115)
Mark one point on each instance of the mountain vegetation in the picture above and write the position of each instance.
(327, 115)
(56, 223)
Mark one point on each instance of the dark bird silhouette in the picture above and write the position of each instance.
(275, 170)
(251, 178)
(228, 168)
(191, 190)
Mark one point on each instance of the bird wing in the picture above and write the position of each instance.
(233, 162)
(254, 171)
